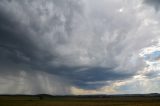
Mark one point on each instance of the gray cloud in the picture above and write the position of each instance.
(155, 3)
(77, 41)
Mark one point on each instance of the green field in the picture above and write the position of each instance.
(78, 101)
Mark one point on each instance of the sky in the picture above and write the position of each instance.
(79, 47)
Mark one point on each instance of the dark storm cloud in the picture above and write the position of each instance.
(76, 43)
(97, 74)
(16, 41)
(19, 50)
(87, 78)
(155, 3)
(16, 47)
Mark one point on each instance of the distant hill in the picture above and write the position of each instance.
(82, 96)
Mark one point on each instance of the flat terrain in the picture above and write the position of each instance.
(45, 100)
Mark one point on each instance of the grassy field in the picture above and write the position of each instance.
(74, 101)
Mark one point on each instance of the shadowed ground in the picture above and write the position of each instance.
(46, 100)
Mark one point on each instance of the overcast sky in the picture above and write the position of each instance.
(79, 47)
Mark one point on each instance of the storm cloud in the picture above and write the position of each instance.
(69, 43)
(154, 3)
